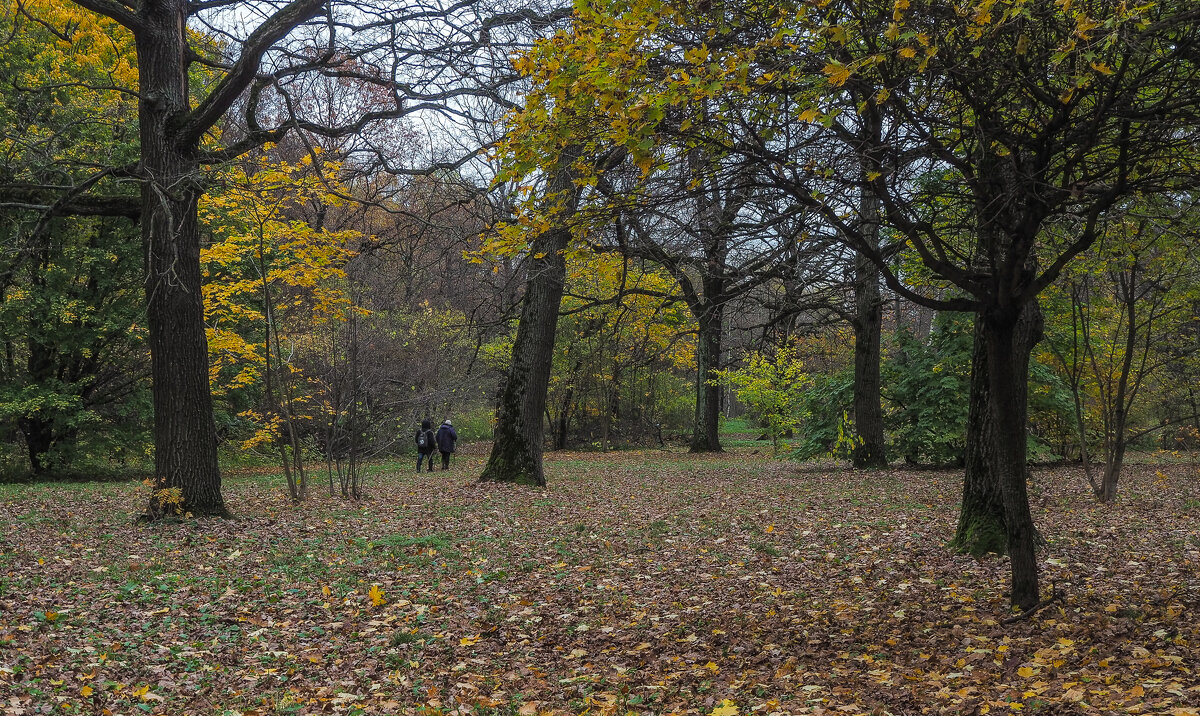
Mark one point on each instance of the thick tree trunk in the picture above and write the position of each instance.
(38, 428)
(981, 527)
(870, 450)
(39, 438)
(981, 522)
(1008, 375)
(517, 438)
(185, 456)
(706, 431)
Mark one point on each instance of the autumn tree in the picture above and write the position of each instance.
(185, 84)
(74, 369)
(1127, 300)
(1026, 115)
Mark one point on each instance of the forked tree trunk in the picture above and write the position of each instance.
(706, 431)
(185, 456)
(517, 438)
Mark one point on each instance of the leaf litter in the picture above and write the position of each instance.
(638, 582)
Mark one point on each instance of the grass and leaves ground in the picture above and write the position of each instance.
(645, 582)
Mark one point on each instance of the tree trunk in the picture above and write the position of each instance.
(982, 526)
(1008, 376)
(185, 456)
(706, 432)
(517, 438)
(870, 450)
(39, 438)
(1117, 438)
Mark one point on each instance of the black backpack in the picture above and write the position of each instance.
(423, 439)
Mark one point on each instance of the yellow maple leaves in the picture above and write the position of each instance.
(836, 73)
(376, 596)
(267, 268)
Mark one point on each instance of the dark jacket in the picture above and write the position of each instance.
(446, 437)
(429, 438)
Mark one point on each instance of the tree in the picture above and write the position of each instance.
(186, 83)
(272, 284)
(1031, 115)
(75, 365)
(1127, 299)
(519, 428)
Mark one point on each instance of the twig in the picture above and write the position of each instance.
(1054, 597)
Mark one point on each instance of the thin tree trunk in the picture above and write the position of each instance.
(185, 456)
(1118, 439)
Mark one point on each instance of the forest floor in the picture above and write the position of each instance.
(646, 582)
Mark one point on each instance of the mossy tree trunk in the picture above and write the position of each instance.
(981, 523)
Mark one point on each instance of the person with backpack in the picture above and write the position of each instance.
(425, 444)
(445, 438)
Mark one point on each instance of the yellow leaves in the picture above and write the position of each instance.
(836, 73)
(1025, 672)
(86, 691)
(1084, 26)
(469, 640)
(376, 596)
(907, 52)
(1137, 692)
(812, 114)
(726, 708)
(1102, 68)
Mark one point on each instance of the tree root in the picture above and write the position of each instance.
(1055, 596)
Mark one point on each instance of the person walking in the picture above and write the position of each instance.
(425, 444)
(446, 437)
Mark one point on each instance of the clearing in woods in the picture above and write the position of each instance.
(647, 582)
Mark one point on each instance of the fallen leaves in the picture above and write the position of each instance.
(638, 582)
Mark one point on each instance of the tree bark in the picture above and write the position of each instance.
(870, 450)
(706, 431)
(185, 456)
(982, 522)
(517, 438)
(981, 528)
(1008, 374)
